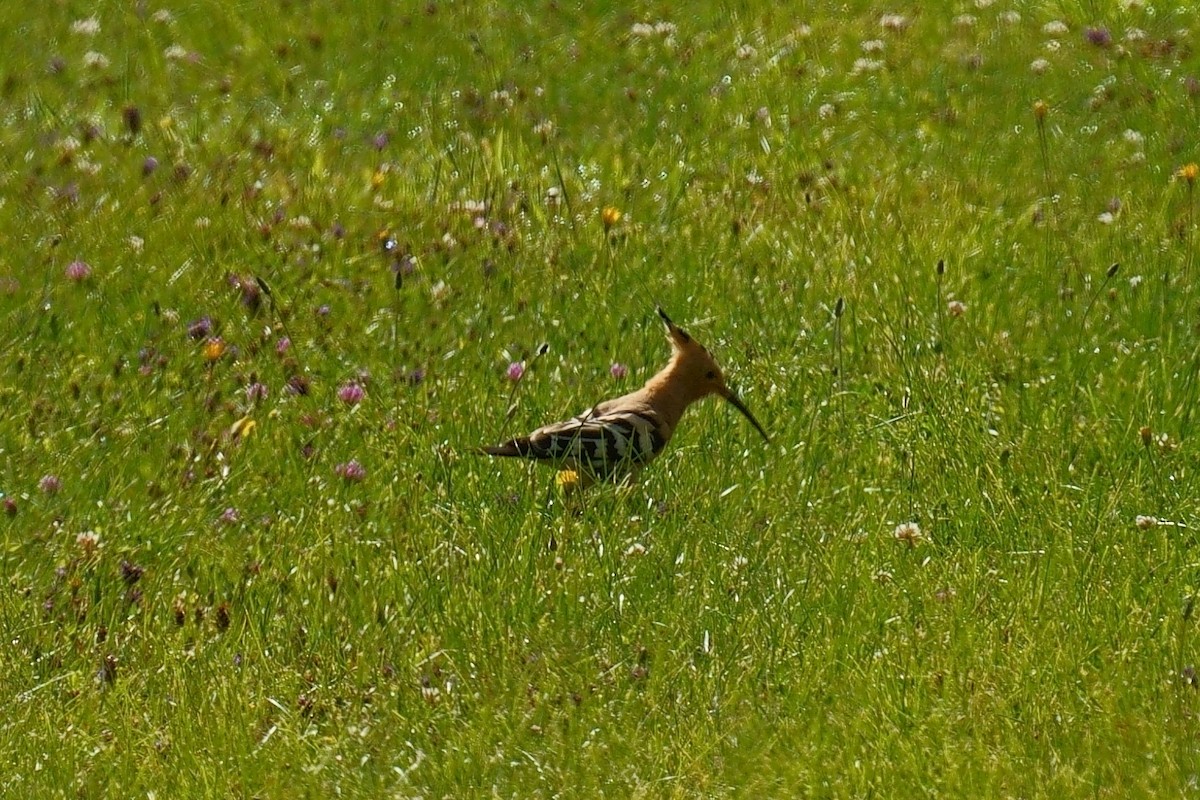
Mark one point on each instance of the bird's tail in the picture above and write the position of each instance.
(513, 448)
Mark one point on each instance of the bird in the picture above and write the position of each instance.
(614, 439)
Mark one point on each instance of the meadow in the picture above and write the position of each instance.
(270, 272)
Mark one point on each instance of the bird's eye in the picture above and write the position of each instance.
(711, 375)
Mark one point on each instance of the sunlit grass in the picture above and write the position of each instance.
(266, 273)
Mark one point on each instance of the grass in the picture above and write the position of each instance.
(341, 599)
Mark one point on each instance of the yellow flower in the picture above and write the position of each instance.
(242, 428)
(378, 178)
(610, 216)
(1189, 172)
(214, 348)
(1040, 109)
(567, 480)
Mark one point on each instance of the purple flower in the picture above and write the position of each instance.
(298, 385)
(282, 345)
(78, 271)
(200, 328)
(50, 484)
(10, 507)
(229, 516)
(515, 370)
(351, 393)
(323, 310)
(149, 165)
(618, 371)
(381, 140)
(1098, 36)
(351, 470)
(256, 392)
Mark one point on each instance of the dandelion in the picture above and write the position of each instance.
(214, 348)
(610, 216)
(351, 393)
(618, 371)
(956, 308)
(909, 533)
(78, 271)
(1145, 522)
(1188, 172)
(50, 484)
(351, 471)
(515, 371)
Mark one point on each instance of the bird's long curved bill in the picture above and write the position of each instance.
(737, 403)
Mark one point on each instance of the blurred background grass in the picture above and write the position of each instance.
(338, 598)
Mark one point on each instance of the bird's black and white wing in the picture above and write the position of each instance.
(600, 441)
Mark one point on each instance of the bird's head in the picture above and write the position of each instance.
(698, 372)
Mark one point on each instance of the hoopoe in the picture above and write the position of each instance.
(613, 439)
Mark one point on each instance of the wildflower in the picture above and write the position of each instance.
(636, 549)
(50, 484)
(256, 392)
(1188, 172)
(567, 480)
(297, 385)
(131, 573)
(86, 27)
(214, 348)
(610, 216)
(94, 60)
(351, 393)
(200, 329)
(88, 542)
(618, 371)
(78, 271)
(380, 140)
(1038, 67)
(1010, 17)
(515, 371)
(282, 345)
(1146, 434)
(1106, 218)
(826, 110)
(1098, 36)
(229, 516)
(893, 22)
(351, 471)
(746, 51)
(175, 53)
(1055, 27)
(1145, 522)
(1040, 109)
(956, 308)
(872, 46)
(149, 165)
(10, 506)
(909, 533)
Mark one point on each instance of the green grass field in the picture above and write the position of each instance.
(227, 574)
